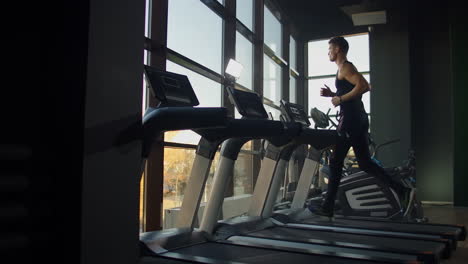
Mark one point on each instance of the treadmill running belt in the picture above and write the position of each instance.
(153, 260)
(246, 254)
(444, 231)
(419, 247)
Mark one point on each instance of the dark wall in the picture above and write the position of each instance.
(460, 94)
(78, 67)
(432, 102)
(111, 172)
(48, 78)
(390, 80)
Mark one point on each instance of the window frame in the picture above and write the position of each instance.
(156, 46)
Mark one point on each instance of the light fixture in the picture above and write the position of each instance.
(369, 18)
(234, 68)
(366, 13)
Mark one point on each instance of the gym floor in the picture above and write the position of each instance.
(447, 214)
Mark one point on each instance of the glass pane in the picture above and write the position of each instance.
(366, 96)
(319, 63)
(145, 57)
(292, 53)
(271, 79)
(243, 169)
(186, 21)
(208, 93)
(248, 145)
(324, 103)
(237, 115)
(182, 136)
(221, 2)
(239, 203)
(242, 187)
(142, 202)
(358, 54)
(178, 164)
(275, 112)
(177, 167)
(209, 181)
(144, 104)
(244, 55)
(292, 89)
(272, 32)
(244, 12)
(147, 19)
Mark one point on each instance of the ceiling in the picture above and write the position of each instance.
(320, 16)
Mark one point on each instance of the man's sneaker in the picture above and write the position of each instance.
(320, 211)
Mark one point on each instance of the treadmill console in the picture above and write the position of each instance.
(171, 89)
(294, 112)
(249, 104)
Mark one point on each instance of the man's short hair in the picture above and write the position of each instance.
(341, 43)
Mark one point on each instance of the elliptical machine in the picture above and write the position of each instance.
(361, 195)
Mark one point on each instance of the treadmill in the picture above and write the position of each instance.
(186, 243)
(257, 227)
(175, 111)
(300, 217)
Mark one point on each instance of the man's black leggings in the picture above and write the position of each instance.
(358, 139)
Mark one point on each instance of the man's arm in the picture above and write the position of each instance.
(326, 92)
(353, 76)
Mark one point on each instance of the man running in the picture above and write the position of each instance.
(352, 128)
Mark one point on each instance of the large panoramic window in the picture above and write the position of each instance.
(358, 54)
(292, 53)
(293, 67)
(147, 18)
(178, 161)
(178, 164)
(244, 12)
(244, 55)
(271, 80)
(319, 63)
(186, 22)
(208, 93)
(272, 32)
(292, 89)
(196, 48)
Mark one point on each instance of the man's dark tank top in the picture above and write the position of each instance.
(351, 108)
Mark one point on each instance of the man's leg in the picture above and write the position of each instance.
(361, 150)
(340, 151)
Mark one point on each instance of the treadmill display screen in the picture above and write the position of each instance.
(249, 104)
(172, 89)
(295, 112)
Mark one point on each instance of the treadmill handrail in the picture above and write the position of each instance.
(158, 120)
(317, 138)
(276, 132)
